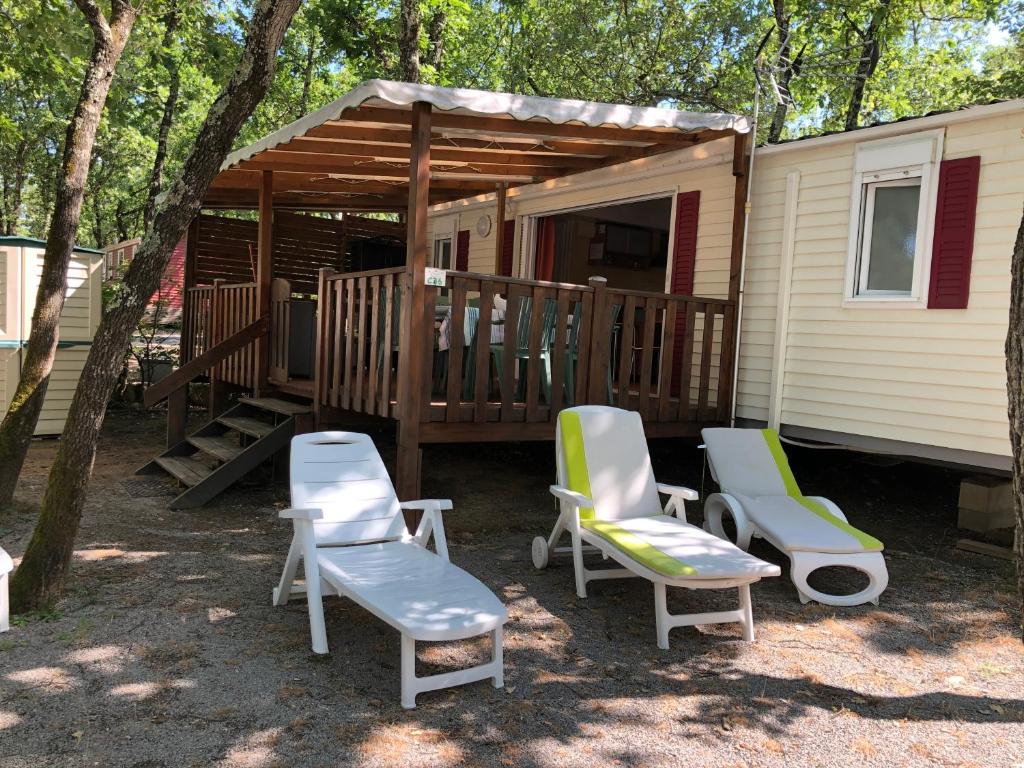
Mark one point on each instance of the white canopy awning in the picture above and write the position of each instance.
(356, 150)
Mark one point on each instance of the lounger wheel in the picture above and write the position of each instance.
(540, 553)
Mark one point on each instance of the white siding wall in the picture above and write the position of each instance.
(19, 281)
(707, 167)
(930, 377)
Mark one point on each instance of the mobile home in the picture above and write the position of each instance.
(904, 355)
(21, 262)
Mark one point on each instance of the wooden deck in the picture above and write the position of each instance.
(553, 346)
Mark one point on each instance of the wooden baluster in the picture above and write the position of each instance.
(322, 339)
(391, 293)
(626, 351)
(482, 374)
(668, 343)
(686, 361)
(652, 307)
(583, 350)
(338, 340)
(425, 346)
(725, 364)
(456, 349)
(373, 372)
(534, 363)
(558, 351)
(360, 373)
(350, 314)
(600, 344)
(707, 345)
(508, 357)
(216, 395)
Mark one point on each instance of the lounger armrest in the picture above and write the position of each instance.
(678, 490)
(431, 523)
(576, 500)
(425, 504)
(831, 506)
(301, 514)
(678, 495)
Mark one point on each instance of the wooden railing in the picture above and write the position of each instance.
(214, 313)
(280, 322)
(358, 333)
(554, 345)
(195, 323)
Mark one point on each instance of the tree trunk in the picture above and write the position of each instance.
(1015, 397)
(307, 74)
(409, 40)
(871, 50)
(156, 176)
(23, 412)
(13, 189)
(40, 577)
(435, 39)
(785, 64)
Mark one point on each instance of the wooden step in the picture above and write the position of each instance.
(284, 407)
(247, 425)
(223, 448)
(185, 470)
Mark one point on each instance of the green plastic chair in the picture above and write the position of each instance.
(522, 341)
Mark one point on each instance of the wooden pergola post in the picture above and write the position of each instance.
(412, 357)
(264, 271)
(499, 229)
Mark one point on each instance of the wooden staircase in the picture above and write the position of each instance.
(226, 449)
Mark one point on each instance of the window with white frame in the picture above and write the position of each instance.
(893, 205)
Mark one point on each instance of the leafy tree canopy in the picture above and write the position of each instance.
(908, 56)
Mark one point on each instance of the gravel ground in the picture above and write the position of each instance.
(166, 650)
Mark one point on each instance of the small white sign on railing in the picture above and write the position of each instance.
(436, 277)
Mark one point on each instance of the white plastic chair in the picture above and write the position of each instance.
(350, 535)
(609, 500)
(761, 495)
(6, 566)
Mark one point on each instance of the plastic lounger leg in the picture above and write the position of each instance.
(314, 596)
(291, 565)
(5, 608)
(408, 672)
(661, 618)
(577, 564)
(498, 657)
(872, 564)
(746, 613)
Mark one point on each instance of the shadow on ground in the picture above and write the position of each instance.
(167, 652)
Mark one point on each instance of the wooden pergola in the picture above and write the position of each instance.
(399, 147)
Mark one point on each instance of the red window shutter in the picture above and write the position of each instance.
(508, 235)
(953, 244)
(462, 251)
(684, 256)
(684, 259)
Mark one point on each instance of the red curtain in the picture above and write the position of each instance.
(545, 249)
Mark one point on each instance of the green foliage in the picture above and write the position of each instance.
(690, 54)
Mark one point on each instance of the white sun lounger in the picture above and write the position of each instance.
(761, 495)
(351, 538)
(609, 500)
(6, 566)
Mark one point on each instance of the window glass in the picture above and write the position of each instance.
(890, 256)
(443, 253)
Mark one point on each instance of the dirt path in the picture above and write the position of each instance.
(167, 652)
